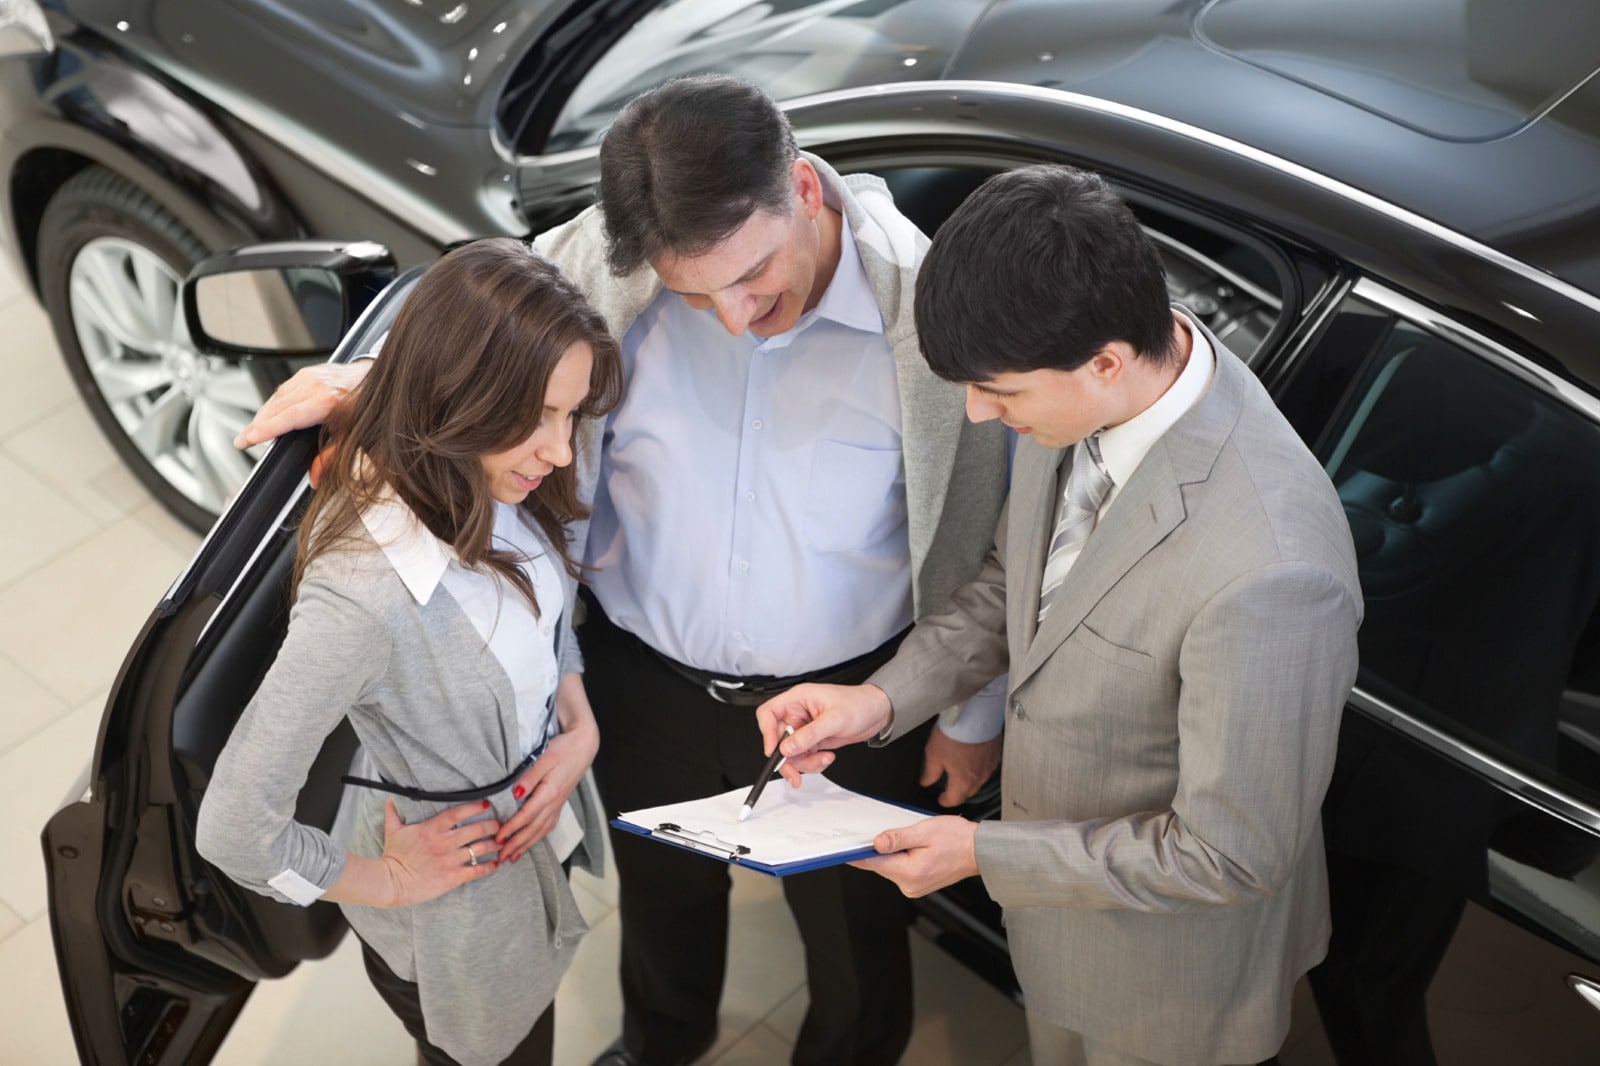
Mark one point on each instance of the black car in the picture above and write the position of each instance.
(1391, 210)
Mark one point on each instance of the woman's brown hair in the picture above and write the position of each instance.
(462, 375)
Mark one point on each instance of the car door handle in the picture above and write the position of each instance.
(1587, 990)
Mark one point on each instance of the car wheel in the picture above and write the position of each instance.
(112, 262)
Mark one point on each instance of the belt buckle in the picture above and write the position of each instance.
(715, 687)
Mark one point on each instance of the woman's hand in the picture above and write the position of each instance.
(550, 780)
(421, 861)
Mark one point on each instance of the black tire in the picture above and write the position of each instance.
(91, 220)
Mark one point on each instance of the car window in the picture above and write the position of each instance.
(790, 48)
(1473, 496)
(1232, 286)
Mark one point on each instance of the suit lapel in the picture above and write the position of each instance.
(1144, 512)
(1033, 503)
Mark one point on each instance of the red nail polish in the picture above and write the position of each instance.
(485, 804)
(518, 792)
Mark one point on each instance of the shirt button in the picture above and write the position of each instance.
(750, 496)
(736, 636)
(756, 424)
(744, 567)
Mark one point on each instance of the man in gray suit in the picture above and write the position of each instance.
(1173, 589)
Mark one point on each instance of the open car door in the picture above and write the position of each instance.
(157, 951)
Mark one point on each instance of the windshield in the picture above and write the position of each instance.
(790, 48)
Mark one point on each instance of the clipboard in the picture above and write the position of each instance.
(791, 830)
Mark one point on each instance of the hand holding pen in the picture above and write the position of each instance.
(773, 762)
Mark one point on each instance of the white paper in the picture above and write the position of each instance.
(788, 825)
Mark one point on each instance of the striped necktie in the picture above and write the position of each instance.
(1087, 486)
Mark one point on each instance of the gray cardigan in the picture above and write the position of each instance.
(433, 708)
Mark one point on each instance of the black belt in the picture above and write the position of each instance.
(463, 795)
(754, 691)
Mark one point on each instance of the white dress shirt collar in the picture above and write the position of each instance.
(1123, 447)
(848, 299)
(418, 557)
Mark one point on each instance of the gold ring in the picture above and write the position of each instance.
(473, 861)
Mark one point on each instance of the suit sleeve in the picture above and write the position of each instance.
(335, 651)
(949, 656)
(1265, 669)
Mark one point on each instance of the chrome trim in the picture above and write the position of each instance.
(1448, 329)
(1587, 990)
(255, 555)
(954, 89)
(1531, 791)
(1221, 272)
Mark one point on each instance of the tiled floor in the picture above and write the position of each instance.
(84, 555)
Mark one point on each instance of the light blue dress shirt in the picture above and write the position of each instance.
(751, 515)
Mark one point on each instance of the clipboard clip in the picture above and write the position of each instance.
(700, 840)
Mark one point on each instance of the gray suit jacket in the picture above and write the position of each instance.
(433, 708)
(1170, 731)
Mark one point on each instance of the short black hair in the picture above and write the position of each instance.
(685, 165)
(1039, 268)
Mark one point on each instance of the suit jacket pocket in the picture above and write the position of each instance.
(1115, 654)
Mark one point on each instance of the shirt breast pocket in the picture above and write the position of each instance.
(856, 497)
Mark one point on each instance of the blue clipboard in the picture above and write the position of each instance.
(705, 827)
(705, 843)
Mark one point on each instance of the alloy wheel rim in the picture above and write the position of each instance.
(179, 408)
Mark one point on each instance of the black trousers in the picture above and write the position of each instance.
(537, 1049)
(664, 740)
(1391, 929)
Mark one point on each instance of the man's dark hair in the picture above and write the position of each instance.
(685, 165)
(1038, 269)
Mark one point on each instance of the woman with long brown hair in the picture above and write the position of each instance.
(433, 588)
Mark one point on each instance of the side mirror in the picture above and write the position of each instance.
(285, 298)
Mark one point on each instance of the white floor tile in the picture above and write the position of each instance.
(960, 1020)
(33, 1015)
(37, 382)
(1021, 1058)
(759, 1047)
(10, 922)
(12, 286)
(67, 450)
(72, 621)
(589, 1003)
(37, 523)
(167, 529)
(35, 777)
(766, 962)
(26, 706)
(325, 1011)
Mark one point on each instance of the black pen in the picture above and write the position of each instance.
(775, 761)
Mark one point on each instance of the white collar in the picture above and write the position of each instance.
(1123, 447)
(418, 557)
(848, 299)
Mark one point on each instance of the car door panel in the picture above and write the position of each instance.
(157, 950)
(1461, 823)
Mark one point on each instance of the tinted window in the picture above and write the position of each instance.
(1474, 499)
(790, 48)
(1232, 287)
